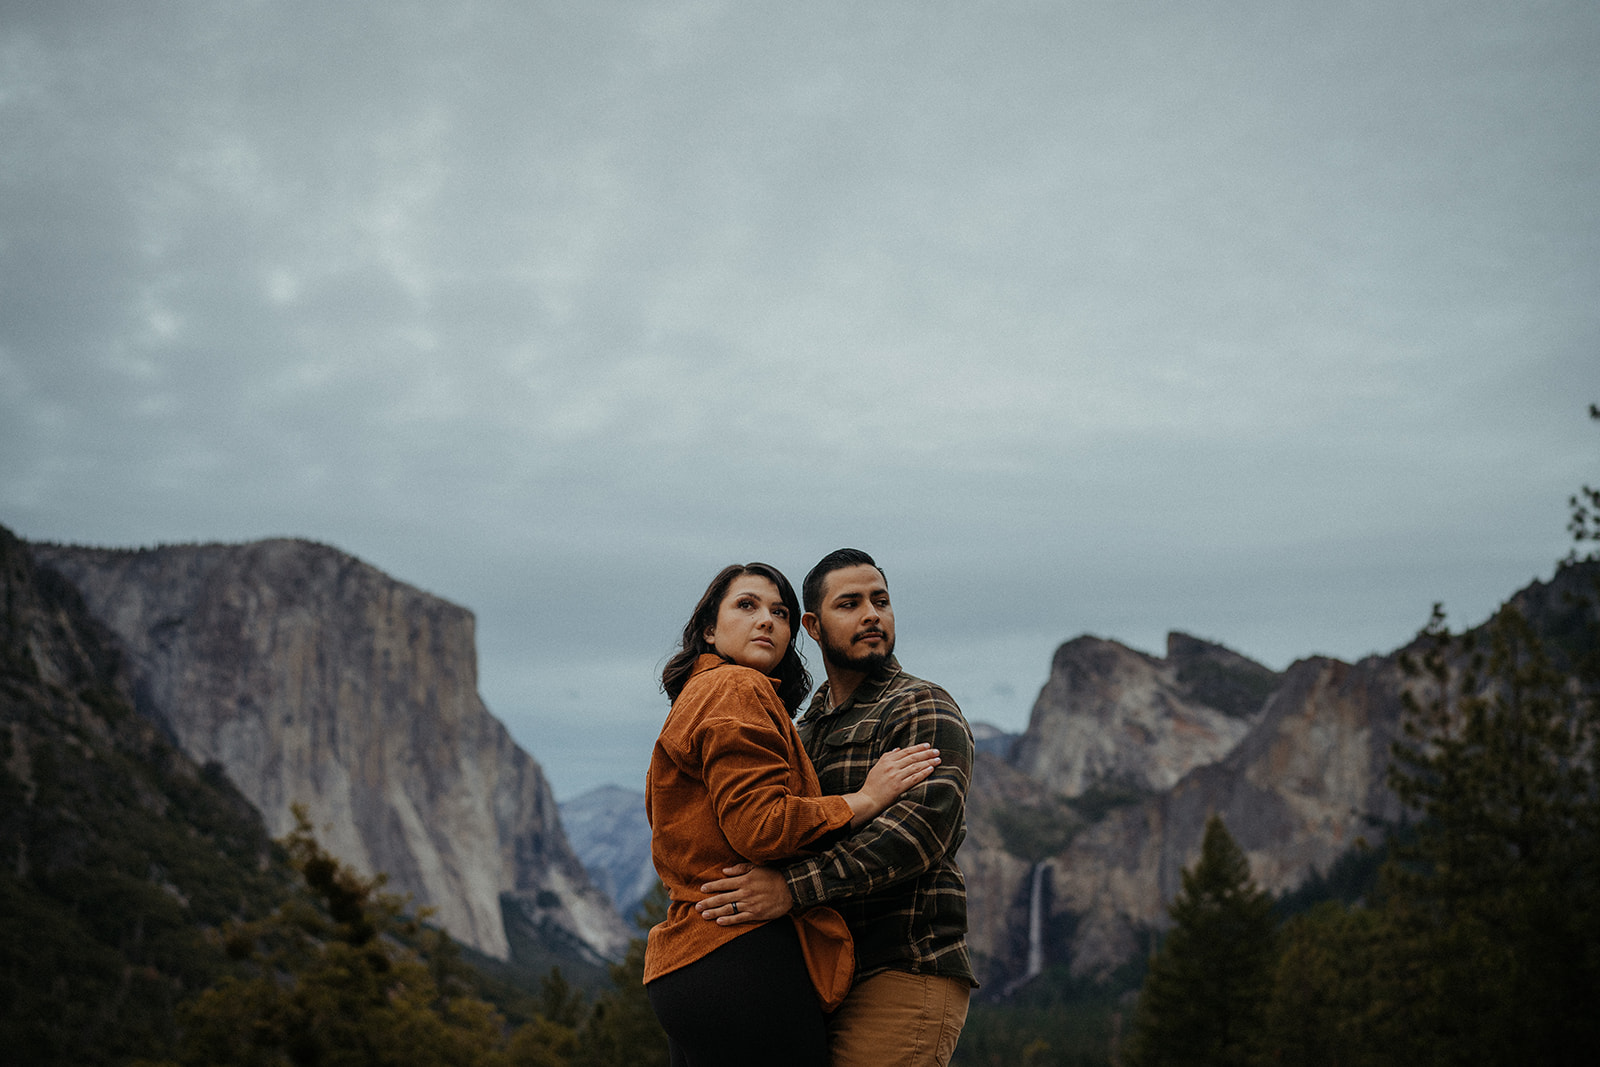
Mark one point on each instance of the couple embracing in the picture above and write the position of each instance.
(817, 915)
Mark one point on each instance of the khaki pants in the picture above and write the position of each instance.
(895, 1019)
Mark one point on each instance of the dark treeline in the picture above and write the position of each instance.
(1480, 941)
(341, 974)
(1479, 944)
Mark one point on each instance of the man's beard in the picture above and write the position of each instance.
(840, 657)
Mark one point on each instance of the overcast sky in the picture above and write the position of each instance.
(1274, 323)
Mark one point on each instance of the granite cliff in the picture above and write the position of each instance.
(312, 678)
(1109, 715)
(1076, 844)
(1134, 753)
(1298, 790)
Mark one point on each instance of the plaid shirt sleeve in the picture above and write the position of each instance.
(925, 825)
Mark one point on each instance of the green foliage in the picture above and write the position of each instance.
(622, 1030)
(1204, 999)
(1501, 889)
(1053, 1021)
(1341, 977)
(1235, 690)
(119, 854)
(1353, 878)
(1035, 833)
(1585, 504)
(326, 981)
(1102, 798)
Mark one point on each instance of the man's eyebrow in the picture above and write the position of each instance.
(855, 594)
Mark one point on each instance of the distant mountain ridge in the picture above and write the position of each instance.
(611, 835)
(310, 677)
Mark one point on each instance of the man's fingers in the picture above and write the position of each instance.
(720, 898)
(910, 757)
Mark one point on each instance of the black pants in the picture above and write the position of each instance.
(749, 1002)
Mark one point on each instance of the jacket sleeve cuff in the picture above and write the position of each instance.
(838, 813)
(805, 882)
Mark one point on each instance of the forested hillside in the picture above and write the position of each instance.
(118, 856)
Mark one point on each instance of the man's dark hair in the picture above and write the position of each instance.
(837, 560)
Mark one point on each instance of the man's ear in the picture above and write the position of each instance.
(813, 626)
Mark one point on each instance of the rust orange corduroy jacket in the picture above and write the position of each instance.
(729, 781)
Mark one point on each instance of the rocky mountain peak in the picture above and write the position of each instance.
(313, 678)
(1219, 677)
(1111, 715)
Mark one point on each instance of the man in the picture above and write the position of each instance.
(895, 881)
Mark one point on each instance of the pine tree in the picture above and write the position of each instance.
(1501, 890)
(329, 979)
(1204, 998)
(1342, 971)
(622, 1030)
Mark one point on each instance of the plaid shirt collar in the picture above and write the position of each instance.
(869, 692)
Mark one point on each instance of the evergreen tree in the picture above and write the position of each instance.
(1204, 998)
(1501, 890)
(1341, 974)
(329, 980)
(622, 1030)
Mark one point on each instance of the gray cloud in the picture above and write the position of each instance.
(1270, 323)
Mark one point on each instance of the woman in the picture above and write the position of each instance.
(730, 782)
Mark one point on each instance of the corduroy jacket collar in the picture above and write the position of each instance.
(710, 661)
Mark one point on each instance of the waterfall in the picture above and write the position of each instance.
(1035, 923)
(1035, 931)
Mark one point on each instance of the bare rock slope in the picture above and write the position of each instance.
(1300, 789)
(1109, 715)
(1136, 752)
(312, 678)
(1127, 755)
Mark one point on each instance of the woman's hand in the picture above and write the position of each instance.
(896, 771)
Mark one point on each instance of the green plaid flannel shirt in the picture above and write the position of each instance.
(895, 880)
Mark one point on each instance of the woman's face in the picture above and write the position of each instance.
(753, 627)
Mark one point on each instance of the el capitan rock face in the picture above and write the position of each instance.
(312, 678)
